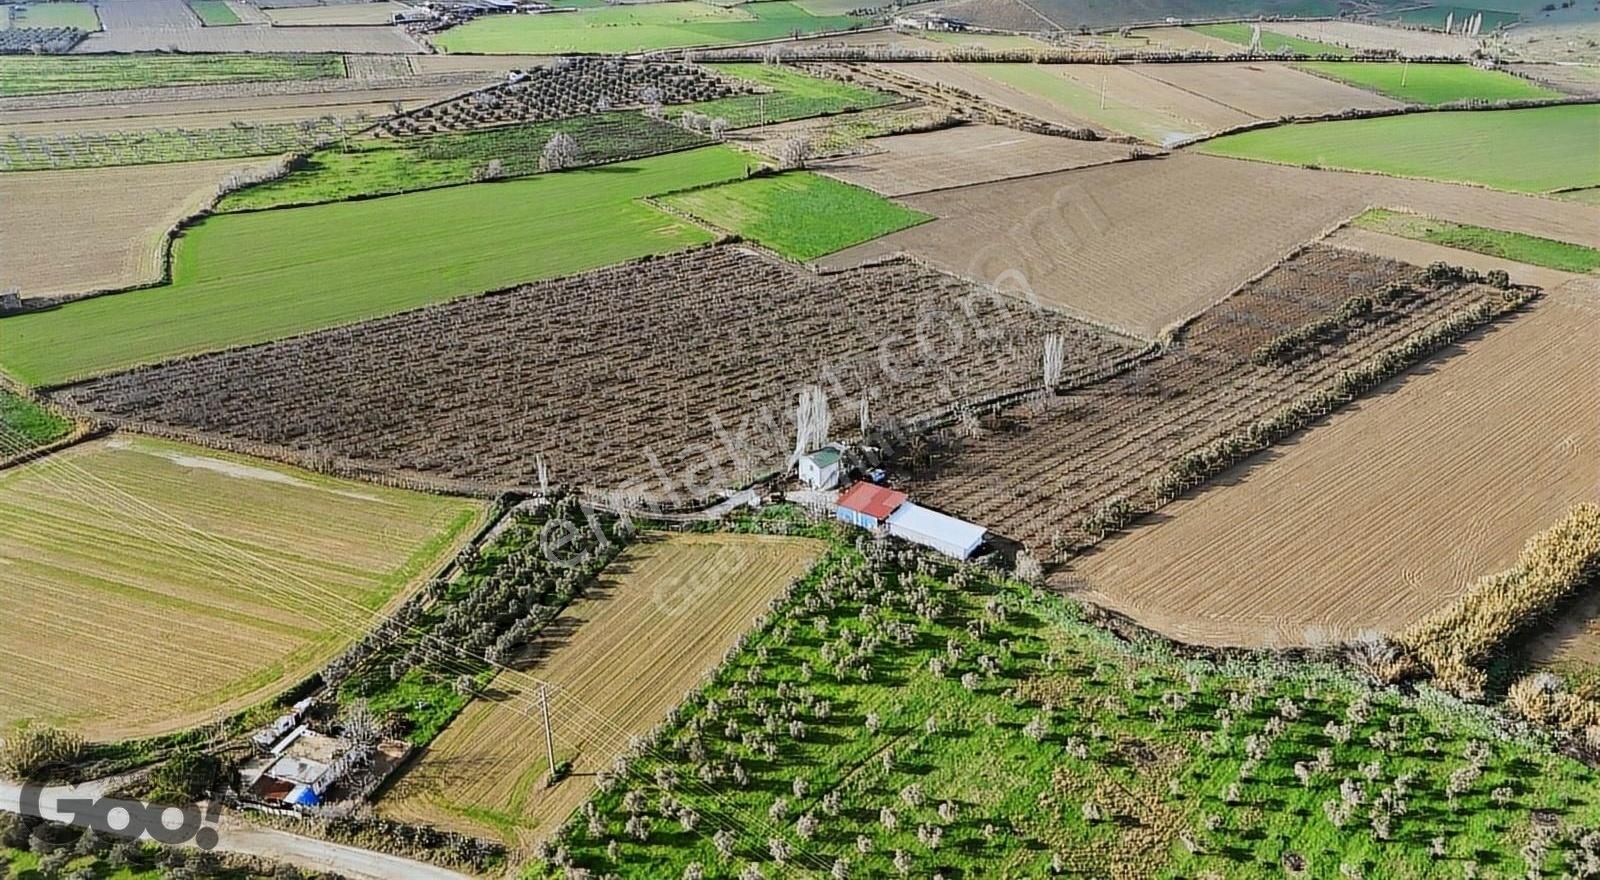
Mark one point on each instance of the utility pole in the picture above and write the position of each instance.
(1405, 68)
(1103, 91)
(549, 739)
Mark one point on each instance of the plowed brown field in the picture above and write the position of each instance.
(1390, 510)
(619, 659)
(913, 163)
(1264, 90)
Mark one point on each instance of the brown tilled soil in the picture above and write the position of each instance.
(616, 662)
(671, 376)
(69, 232)
(1142, 246)
(1265, 90)
(913, 163)
(965, 78)
(1356, 35)
(1392, 508)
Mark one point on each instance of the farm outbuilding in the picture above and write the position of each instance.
(822, 469)
(930, 528)
(868, 505)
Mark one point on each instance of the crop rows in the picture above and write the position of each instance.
(572, 87)
(49, 41)
(104, 149)
(1105, 444)
(633, 377)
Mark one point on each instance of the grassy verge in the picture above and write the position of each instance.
(1516, 246)
(800, 215)
(28, 75)
(246, 278)
(25, 423)
(1238, 33)
(1534, 150)
(386, 166)
(899, 715)
(1431, 83)
(638, 27)
(794, 95)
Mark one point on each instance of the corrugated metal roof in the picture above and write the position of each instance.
(931, 528)
(871, 499)
(825, 457)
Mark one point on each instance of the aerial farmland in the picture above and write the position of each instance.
(763, 440)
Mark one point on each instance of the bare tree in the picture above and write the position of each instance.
(1055, 357)
(560, 152)
(794, 151)
(811, 420)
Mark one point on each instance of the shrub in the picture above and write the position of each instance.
(35, 747)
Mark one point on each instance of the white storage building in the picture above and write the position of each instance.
(946, 534)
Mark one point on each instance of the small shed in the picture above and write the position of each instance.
(867, 504)
(930, 528)
(822, 469)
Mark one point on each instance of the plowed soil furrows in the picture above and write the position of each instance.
(615, 663)
(1391, 509)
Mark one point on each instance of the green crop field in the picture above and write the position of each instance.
(1535, 150)
(1238, 33)
(246, 278)
(214, 13)
(923, 720)
(794, 95)
(1431, 83)
(159, 145)
(638, 27)
(55, 15)
(247, 575)
(26, 425)
(799, 214)
(1516, 246)
(31, 75)
(376, 166)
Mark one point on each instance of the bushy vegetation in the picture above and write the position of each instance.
(388, 166)
(1531, 150)
(1431, 83)
(1238, 33)
(244, 278)
(1531, 249)
(798, 214)
(638, 27)
(421, 665)
(900, 716)
(24, 423)
(1459, 641)
(27, 750)
(47, 74)
(35, 850)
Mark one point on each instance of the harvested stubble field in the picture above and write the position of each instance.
(1356, 35)
(906, 164)
(664, 613)
(247, 278)
(634, 364)
(1107, 243)
(240, 40)
(1109, 439)
(228, 578)
(1536, 150)
(1455, 467)
(969, 79)
(69, 232)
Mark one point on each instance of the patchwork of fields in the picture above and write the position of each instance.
(663, 615)
(639, 27)
(159, 586)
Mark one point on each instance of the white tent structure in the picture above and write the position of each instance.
(946, 534)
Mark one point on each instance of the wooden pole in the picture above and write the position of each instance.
(549, 739)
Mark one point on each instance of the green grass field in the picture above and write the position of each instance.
(1238, 33)
(53, 15)
(798, 214)
(638, 27)
(1431, 83)
(794, 95)
(1516, 246)
(981, 729)
(29, 75)
(246, 278)
(374, 166)
(214, 13)
(26, 425)
(1535, 150)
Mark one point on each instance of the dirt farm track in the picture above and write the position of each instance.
(1390, 509)
(616, 661)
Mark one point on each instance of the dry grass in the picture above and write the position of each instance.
(152, 586)
(616, 661)
(968, 78)
(336, 14)
(912, 163)
(1140, 246)
(1355, 35)
(100, 228)
(1388, 512)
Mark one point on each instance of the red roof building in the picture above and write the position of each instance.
(868, 504)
